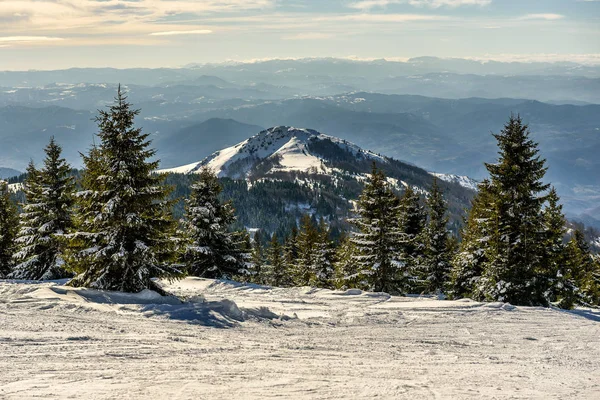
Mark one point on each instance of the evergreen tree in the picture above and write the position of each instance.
(291, 253)
(581, 268)
(9, 222)
(436, 261)
(46, 219)
(412, 221)
(517, 181)
(257, 259)
(554, 282)
(379, 239)
(347, 275)
(279, 275)
(323, 273)
(468, 263)
(213, 250)
(124, 233)
(308, 237)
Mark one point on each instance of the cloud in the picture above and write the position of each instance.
(369, 4)
(28, 39)
(174, 33)
(383, 18)
(309, 36)
(546, 17)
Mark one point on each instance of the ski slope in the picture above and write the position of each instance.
(233, 341)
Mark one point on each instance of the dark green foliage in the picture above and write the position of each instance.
(435, 267)
(379, 239)
(257, 259)
(45, 219)
(472, 255)
(412, 219)
(124, 232)
(555, 282)
(212, 250)
(278, 273)
(346, 272)
(9, 223)
(518, 250)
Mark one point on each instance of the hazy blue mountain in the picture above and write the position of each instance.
(6, 173)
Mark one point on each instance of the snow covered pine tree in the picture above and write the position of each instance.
(379, 239)
(436, 261)
(45, 219)
(124, 230)
(9, 223)
(212, 251)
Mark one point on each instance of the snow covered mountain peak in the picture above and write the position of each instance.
(281, 148)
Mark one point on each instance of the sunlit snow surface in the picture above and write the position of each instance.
(226, 340)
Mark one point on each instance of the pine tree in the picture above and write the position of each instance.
(554, 283)
(124, 232)
(347, 275)
(581, 267)
(257, 259)
(46, 219)
(517, 181)
(323, 273)
(279, 275)
(308, 237)
(291, 254)
(379, 239)
(412, 221)
(9, 222)
(437, 255)
(472, 256)
(213, 250)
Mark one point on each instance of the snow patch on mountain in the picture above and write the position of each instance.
(463, 181)
(287, 147)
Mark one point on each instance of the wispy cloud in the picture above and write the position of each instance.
(175, 33)
(383, 17)
(28, 39)
(547, 17)
(369, 4)
(308, 36)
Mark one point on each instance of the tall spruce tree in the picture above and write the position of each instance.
(435, 267)
(412, 221)
(308, 237)
(347, 275)
(213, 251)
(323, 274)
(581, 268)
(257, 259)
(124, 231)
(510, 274)
(9, 222)
(379, 239)
(46, 218)
(554, 282)
(278, 275)
(291, 252)
(469, 262)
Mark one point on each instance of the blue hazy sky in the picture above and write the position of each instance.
(48, 34)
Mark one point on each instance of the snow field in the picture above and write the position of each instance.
(225, 340)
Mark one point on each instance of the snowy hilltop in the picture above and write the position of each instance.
(283, 148)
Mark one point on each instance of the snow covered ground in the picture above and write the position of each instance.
(233, 341)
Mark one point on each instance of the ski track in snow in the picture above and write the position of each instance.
(234, 341)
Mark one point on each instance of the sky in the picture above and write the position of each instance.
(55, 34)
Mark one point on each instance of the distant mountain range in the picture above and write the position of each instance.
(194, 111)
